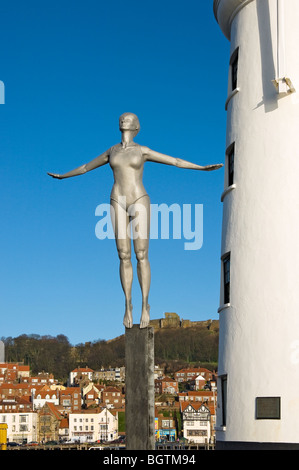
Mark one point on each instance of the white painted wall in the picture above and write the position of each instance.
(20, 426)
(259, 329)
(40, 401)
(196, 429)
(90, 427)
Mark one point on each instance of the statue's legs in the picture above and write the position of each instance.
(141, 245)
(135, 223)
(120, 222)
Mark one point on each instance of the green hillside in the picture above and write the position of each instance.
(174, 348)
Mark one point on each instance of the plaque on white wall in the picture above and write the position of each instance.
(268, 408)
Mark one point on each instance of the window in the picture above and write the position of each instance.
(226, 279)
(196, 432)
(224, 398)
(230, 156)
(233, 87)
(234, 69)
(166, 423)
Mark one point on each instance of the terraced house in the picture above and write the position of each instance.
(198, 422)
(93, 425)
(40, 409)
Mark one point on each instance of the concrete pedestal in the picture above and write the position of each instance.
(140, 392)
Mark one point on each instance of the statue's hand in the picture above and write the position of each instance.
(213, 167)
(59, 177)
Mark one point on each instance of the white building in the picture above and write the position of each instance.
(39, 398)
(200, 382)
(196, 422)
(21, 427)
(91, 426)
(259, 303)
(79, 373)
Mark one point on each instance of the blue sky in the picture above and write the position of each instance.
(70, 69)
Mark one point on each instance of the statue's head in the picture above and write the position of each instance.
(129, 121)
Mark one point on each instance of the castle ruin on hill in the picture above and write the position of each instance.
(172, 320)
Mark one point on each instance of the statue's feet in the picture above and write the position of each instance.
(145, 317)
(128, 318)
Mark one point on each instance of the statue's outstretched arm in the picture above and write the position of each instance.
(152, 156)
(98, 161)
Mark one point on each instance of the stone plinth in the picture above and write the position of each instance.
(140, 392)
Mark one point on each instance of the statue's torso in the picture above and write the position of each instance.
(127, 164)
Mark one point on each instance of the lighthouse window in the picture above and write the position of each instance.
(226, 278)
(234, 68)
(224, 398)
(230, 164)
(234, 73)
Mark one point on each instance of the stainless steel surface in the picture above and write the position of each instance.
(128, 195)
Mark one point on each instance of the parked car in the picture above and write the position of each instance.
(51, 443)
(32, 443)
(13, 444)
(119, 440)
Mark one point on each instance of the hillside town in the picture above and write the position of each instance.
(90, 408)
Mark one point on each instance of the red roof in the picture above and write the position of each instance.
(197, 405)
(14, 366)
(197, 393)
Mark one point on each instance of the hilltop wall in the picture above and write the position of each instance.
(172, 320)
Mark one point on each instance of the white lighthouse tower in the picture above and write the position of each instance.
(258, 393)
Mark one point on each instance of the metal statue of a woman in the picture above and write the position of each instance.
(127, 162)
